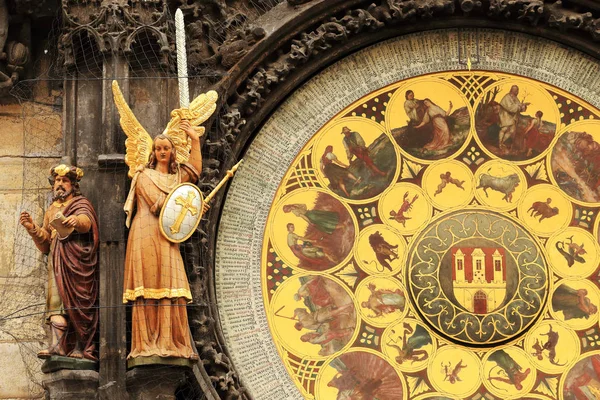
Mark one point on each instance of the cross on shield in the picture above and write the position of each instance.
(181, 213)
(187, 206)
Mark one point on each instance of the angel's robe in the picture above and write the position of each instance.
(155, 279)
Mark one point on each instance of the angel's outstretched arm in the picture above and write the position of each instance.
(195, 154)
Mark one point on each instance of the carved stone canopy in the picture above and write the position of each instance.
(114, 26)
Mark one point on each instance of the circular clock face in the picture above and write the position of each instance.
(435, 237)
(428, 222)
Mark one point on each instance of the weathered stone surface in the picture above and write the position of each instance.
(25, 322)
(32, 143)
(56, 363)
(20, 173)
(21, 257)
(142, 383)
(15, 379)
(11, 178)
(43, 130)
(8, 208)
(71, 385)
(31, 130)
(11, 129)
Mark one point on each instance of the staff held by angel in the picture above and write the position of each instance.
(155, 279)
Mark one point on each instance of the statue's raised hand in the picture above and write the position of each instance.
(26, 220)
(190, 130)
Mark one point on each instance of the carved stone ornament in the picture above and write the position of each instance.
(114, 25)
(220, 34)
(13, 54)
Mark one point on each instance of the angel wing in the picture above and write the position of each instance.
(201, 108)
(139, 143)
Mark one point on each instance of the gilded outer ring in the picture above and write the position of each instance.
(162, 211)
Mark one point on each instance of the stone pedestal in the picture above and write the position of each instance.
(56, 363)
(68, 384)
(155, 382)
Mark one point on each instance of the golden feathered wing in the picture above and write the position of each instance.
(201, 108)
(138, 145)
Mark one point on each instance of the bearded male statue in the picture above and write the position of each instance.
(69, 236)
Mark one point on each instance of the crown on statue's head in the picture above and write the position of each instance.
(73, 173)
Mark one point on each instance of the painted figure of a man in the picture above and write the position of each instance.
(356, 147)
(574, 303)
(413, 108)
(412, 348)
(510, 109)
(69, 235)
(384, 301)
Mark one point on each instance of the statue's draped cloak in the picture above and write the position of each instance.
(75, 263)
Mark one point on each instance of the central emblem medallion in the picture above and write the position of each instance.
(477, 277)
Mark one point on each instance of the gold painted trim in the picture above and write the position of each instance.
(147, 293)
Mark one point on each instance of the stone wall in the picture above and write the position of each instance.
(30, 126)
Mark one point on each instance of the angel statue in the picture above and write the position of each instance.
(155, 278)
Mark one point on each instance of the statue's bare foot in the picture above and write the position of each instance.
(43, 354)
(194, 357)
(55, 350)
(76, 354)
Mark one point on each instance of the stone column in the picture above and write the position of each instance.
(155, 382)
(67, 384)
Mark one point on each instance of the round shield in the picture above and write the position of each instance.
(181, 212)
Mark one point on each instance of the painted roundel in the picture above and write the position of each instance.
(477, 277)
(438, 238)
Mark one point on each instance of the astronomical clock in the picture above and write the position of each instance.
(409, 227)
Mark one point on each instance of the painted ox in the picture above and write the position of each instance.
(504, 184)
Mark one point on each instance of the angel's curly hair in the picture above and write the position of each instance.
(172, 162)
